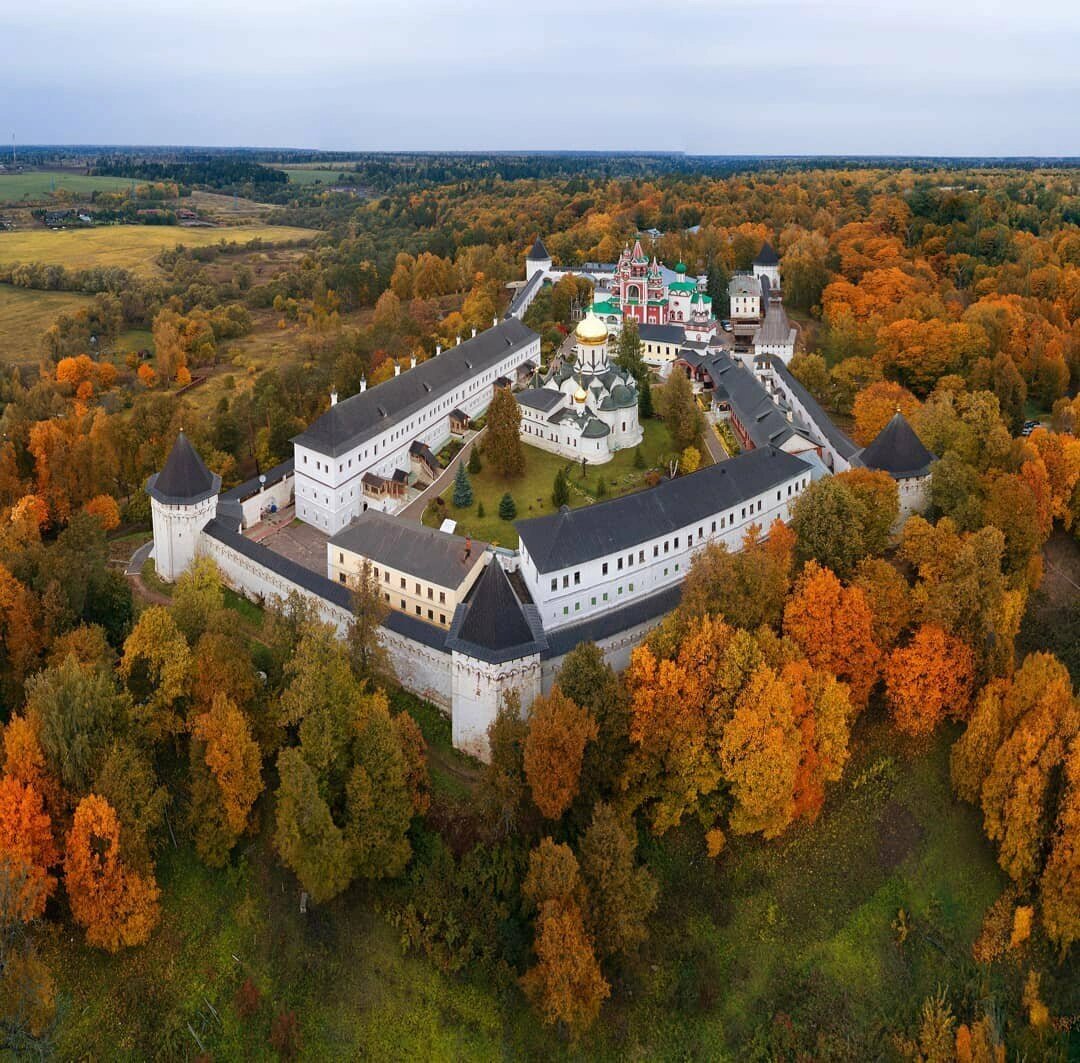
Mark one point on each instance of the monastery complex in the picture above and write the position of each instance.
(469, 622)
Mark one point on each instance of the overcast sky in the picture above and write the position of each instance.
(944, 77)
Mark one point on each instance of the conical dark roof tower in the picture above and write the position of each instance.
(185, 479)
(898, 451)
(767, 256)
(492, 625)
(538, 253)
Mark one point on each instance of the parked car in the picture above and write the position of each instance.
(1029, 427)
(725, 325)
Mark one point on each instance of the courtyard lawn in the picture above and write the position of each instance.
(532, 491)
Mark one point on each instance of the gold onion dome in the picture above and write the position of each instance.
(580, 395)
(591, 330)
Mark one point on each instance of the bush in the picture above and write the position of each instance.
(601, 488)
(247, 999)
(639, 459)
(507, 507)
(560, 492)
(480, 509)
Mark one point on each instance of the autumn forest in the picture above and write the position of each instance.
(831, 810)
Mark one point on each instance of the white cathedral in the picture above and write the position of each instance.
(586, 410)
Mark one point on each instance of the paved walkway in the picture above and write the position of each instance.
(415, 509)
(138, 559)
(713, 445)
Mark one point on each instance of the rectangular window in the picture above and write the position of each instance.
(403, 605)
(566, 581)
(577, 607)
(603, 569)
(442, 618)
(431, 593)
(402, 582)
(619, 566)
(577, 579)
(442, 597)
(566, 610)
(387, 596)
(641, 557)
(341, 577)
(418, 610)
(340, 557)
(592, 601)
(656, 551)
(676, 542)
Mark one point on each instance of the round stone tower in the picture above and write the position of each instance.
(183, 500)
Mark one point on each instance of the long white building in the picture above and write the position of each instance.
(360, 453)
(578, 563)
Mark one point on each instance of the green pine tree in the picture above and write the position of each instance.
(645, 403)
(480, 509)
(463, 495)
(474, 461)
(639, 459)
(507, 507)
(560, 494)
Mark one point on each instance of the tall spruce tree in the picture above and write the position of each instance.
(463, 495)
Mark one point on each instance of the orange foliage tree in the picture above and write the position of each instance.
(106, 510)
(555, 744)
(876, 405)
(117, 907)
(26, 847)
(931, 677)
(833, 626)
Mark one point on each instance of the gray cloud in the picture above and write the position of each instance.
(710, 76)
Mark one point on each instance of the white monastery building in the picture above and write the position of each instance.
(588, 410)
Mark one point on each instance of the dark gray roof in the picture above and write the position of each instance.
(775, 329)
(765, 423)
(571, 537)
(898, 451)
(253, 486)
(544, 399)
(185, 480)
(335, 593)
(564, 639)
(408, 546)
(596, 429)
(662, 333)
(538, 253)
(493, 625)
(524, 295)
(838, 439)
(767, 256)
(370, 412)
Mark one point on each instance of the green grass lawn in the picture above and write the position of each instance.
(39, 186)
(532, 491)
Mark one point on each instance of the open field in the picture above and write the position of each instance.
(800, 928)
(309, 175)
(230, 208)
(131, 247)
(532, 492)
(39, 186)
(25, 315)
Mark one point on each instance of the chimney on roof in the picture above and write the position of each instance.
(412, 361)
(333, 397)
(363, 383)
(397, 369)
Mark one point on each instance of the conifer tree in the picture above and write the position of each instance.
(507, 507)
(474, 465)
(463, 495)
(645, 399)
(502, 443)
(560, 492)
